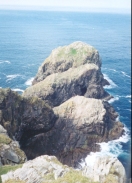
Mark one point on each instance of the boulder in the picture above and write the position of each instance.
(81, 123)
(85, 80)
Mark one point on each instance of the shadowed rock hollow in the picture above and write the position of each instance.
(24, 118)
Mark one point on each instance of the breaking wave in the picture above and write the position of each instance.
(112, 148)
(29, 81)
(13, 76)
(112, 84)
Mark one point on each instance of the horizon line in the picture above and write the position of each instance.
(67, 8)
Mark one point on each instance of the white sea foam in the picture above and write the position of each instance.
(112, 84)
(17, 89)
(128, 96)
(10, 77)
(6, 61)
(112, 148)
(113, 99)
(125, 74)
(29, 81)
(113, 70)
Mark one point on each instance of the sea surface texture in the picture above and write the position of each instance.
(28, 37)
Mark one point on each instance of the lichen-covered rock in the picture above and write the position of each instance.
(45, 169)
(24, 118)
(10, 152)
(85, 80)
(81, 124)
(106, 169)
(65, 57)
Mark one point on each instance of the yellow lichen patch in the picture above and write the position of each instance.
(21, 154)
(14, 181)
(71, 177)
(110, 178)
(4, 139)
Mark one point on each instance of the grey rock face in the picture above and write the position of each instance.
(81, 124)
(85, 80)
(106, 169)
(24, 118)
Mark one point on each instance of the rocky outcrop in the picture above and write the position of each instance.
(71, 82)
(10, 152)
(106, 169)
(63, 58)
(24, 118)
(81, 124)
(46, 169)
(85, 80)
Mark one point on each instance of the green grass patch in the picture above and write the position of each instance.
(7, 168)
(71, 177)
(73, 51)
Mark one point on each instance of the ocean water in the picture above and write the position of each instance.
(28, 37)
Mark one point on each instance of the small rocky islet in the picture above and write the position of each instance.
(58, 121)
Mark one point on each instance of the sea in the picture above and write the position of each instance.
(28, 37)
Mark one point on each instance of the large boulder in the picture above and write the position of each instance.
(81, 124)
(85, 80)
(65, 57)
(24, 118)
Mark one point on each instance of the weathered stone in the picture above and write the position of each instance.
(81, 124)
(10, 152)
(63, 58)
(37, 170)
(85, 80)
(24, 118)
(105, 169)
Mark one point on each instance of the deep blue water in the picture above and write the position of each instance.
(28, 37)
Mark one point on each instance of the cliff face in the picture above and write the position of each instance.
(63, 58)
(24, 118)
(81, 124)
